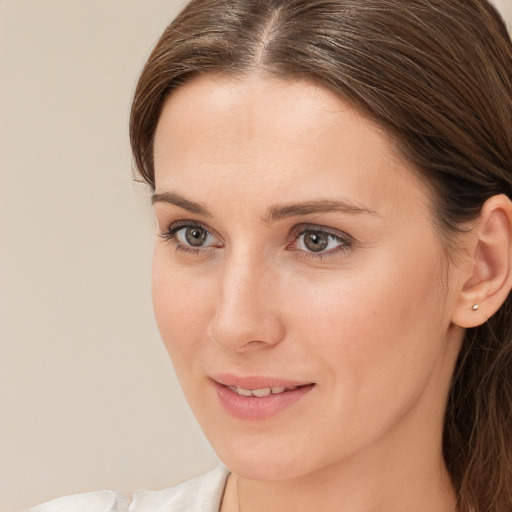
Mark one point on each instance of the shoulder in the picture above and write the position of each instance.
(101, 501)
(201, 494)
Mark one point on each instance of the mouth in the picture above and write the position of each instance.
(263, 392)
(258, 398)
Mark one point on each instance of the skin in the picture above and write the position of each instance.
(369, 322)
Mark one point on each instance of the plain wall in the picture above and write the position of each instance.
(88, 399)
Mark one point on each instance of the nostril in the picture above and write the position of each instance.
(259, 335)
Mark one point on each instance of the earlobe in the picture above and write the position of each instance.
(489, 280)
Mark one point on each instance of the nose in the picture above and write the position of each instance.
(247, 314)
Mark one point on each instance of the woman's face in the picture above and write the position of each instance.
(296, 256)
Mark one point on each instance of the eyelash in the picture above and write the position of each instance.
(346, 242)
(171, 236)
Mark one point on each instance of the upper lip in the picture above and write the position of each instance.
(256, 382)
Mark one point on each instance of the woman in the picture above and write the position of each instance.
(332, 264)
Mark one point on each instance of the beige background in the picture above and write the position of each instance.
(88, 399)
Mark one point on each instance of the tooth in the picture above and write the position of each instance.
(261, 392)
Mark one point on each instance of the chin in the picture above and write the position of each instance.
(264, 459)
(266, 469)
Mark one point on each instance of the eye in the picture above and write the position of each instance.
(190, 236)
(196, 236)
(317, 242)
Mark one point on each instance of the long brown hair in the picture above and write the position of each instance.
(437, 75)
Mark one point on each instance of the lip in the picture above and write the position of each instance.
(256, 382)
(257, 408)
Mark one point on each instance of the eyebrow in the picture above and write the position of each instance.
(274, 213)
(280, 212)
(178, 200)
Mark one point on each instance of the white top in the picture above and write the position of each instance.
(201, 494)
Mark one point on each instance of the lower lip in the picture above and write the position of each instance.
(252, 408)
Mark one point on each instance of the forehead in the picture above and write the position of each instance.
(294, 136)
(251, 106)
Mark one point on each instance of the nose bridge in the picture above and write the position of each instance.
(245, 311)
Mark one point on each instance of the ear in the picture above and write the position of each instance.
(489, 279)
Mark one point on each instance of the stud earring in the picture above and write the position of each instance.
(475, 307)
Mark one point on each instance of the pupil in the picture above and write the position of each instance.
(196, 236)
(316, 241)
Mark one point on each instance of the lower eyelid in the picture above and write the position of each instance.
(189, 250)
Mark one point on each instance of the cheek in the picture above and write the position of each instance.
(372, 328)
(183, 303)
